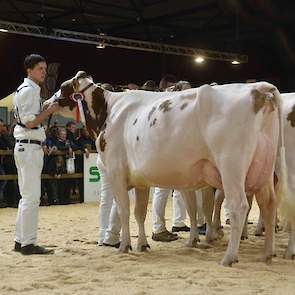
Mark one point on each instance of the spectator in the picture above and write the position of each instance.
(132, 86)
(58, 166)
(167, 81)
(107, 86)
(71, 135)
(150, 85)
(85, 141)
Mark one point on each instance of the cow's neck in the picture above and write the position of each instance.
(96, 110)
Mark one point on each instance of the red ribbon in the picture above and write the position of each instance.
(77, 114)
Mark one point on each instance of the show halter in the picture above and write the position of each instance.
(78, 97)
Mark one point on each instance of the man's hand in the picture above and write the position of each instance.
(52, 108)
(86, 153)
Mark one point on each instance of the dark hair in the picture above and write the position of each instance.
(169, 78)
(33, 59)
(70, 123)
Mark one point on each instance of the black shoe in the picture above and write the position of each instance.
(17, 247)
(202, 229)
(35, 250)
(176, 229)
(110, 245)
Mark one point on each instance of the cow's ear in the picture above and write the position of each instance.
(81, 74)
(75, 83)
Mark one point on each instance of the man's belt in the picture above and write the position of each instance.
(31, 141)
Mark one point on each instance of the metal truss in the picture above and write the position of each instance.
(102, 41)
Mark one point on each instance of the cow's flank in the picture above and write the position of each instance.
(184, 106)
(165, 106)
(154, 122)
(151, 113)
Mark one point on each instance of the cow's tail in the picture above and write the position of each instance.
(286, 203)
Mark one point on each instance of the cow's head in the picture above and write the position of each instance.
(92, 98)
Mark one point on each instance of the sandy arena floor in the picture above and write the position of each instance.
(81, 267)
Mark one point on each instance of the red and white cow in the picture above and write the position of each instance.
(223, 136)
(287, 205)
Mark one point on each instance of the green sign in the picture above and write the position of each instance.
(94, 173)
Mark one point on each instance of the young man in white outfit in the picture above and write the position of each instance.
(28, 153)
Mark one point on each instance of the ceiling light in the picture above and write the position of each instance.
(235, 62)
(199, 59)
(3, 30)
(100, 46)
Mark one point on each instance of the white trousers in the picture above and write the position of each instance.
(29, 163)
(109, 221)
(160, 198)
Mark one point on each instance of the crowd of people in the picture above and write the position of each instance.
(61, 143)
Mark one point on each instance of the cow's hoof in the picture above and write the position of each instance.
(211, 238)
(267, 259)
(244, 238)
(226, 263)
(125, 249)
(143, 248)
(229, 261)
(289, 255)
(259, 234)
(193, 244)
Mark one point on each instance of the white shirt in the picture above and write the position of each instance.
(27, 105)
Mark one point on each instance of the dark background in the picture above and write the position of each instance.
(262, 29)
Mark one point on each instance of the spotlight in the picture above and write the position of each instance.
(199, 59)
(100, 46)
(235, 62)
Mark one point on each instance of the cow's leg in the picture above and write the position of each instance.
(122, 198)
(233, 181)
(266, 199)
(208, 206)
(141, 203)
(189, 198)
(290, 253)
(245, 229)
(259, 227)
(219, 197)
